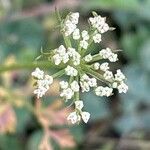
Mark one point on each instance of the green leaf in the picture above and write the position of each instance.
(8, 142)
(34, 140)
(23, 117)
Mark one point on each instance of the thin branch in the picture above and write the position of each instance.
(28, 66)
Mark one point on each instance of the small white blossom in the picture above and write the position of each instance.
(85, 116)
(122, 88)
(108, 75)
(74, 55)
(97, 38)
(104, 66)
(115, 85)
(57, 59)
(99, 91)
(85, 35)
(75, 86)
(103, 28)
(63, 84)
(74, 117)
(103, 91)
(67, 93)
(37, 73)
(84, 44)
(96, 66)
(88, 58)
(85, 77)
(69, 27)
(76, 34)
(40, 92)
(105, 53)
(85, 86)
(74, 17)
(92, 82)
(48, 79)
(113, 57)
(99, 23)
(108, 91)
(70, 71)
(119, 76)
(61, 50)
(65, 58)
(79, 104)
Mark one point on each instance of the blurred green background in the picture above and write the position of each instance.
(121, 122)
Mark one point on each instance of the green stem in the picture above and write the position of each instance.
(58, 74)
(77, 94)
(96, 57)
(67, 41)
(22, 66)
(95, 74)
(90, 42)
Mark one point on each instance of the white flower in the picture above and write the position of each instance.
(103, 91)
(99, 23)
(70, 23)
(69, 27)
(108, 91)
(88, 58)
(123, 88)
(40, 92)
(74, 117)
(115, 85)
(57, 59)
(85, 86)
(85, 116)
(48, 79)
(70, 71)
(92, 82)
(113, 57)
(67, 93)
(74, 55)
(96, 66)
(103, 28)
(71, 51)
(63, 84)
(105, 53)
(61, 50)
(76, 34)
(104, 66)
(99, 91)
(108, 75)
(37, 73)
(85, 35)
(79, 104)
(119, 76)
(75, 86)
(85, 77)
(74, 17)
(84, 44)
(97, 38)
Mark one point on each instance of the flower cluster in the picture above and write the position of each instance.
(76, 116)
(68, 91)
(42, 82)
(82, 69)
(70, 23)
(64, 55)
